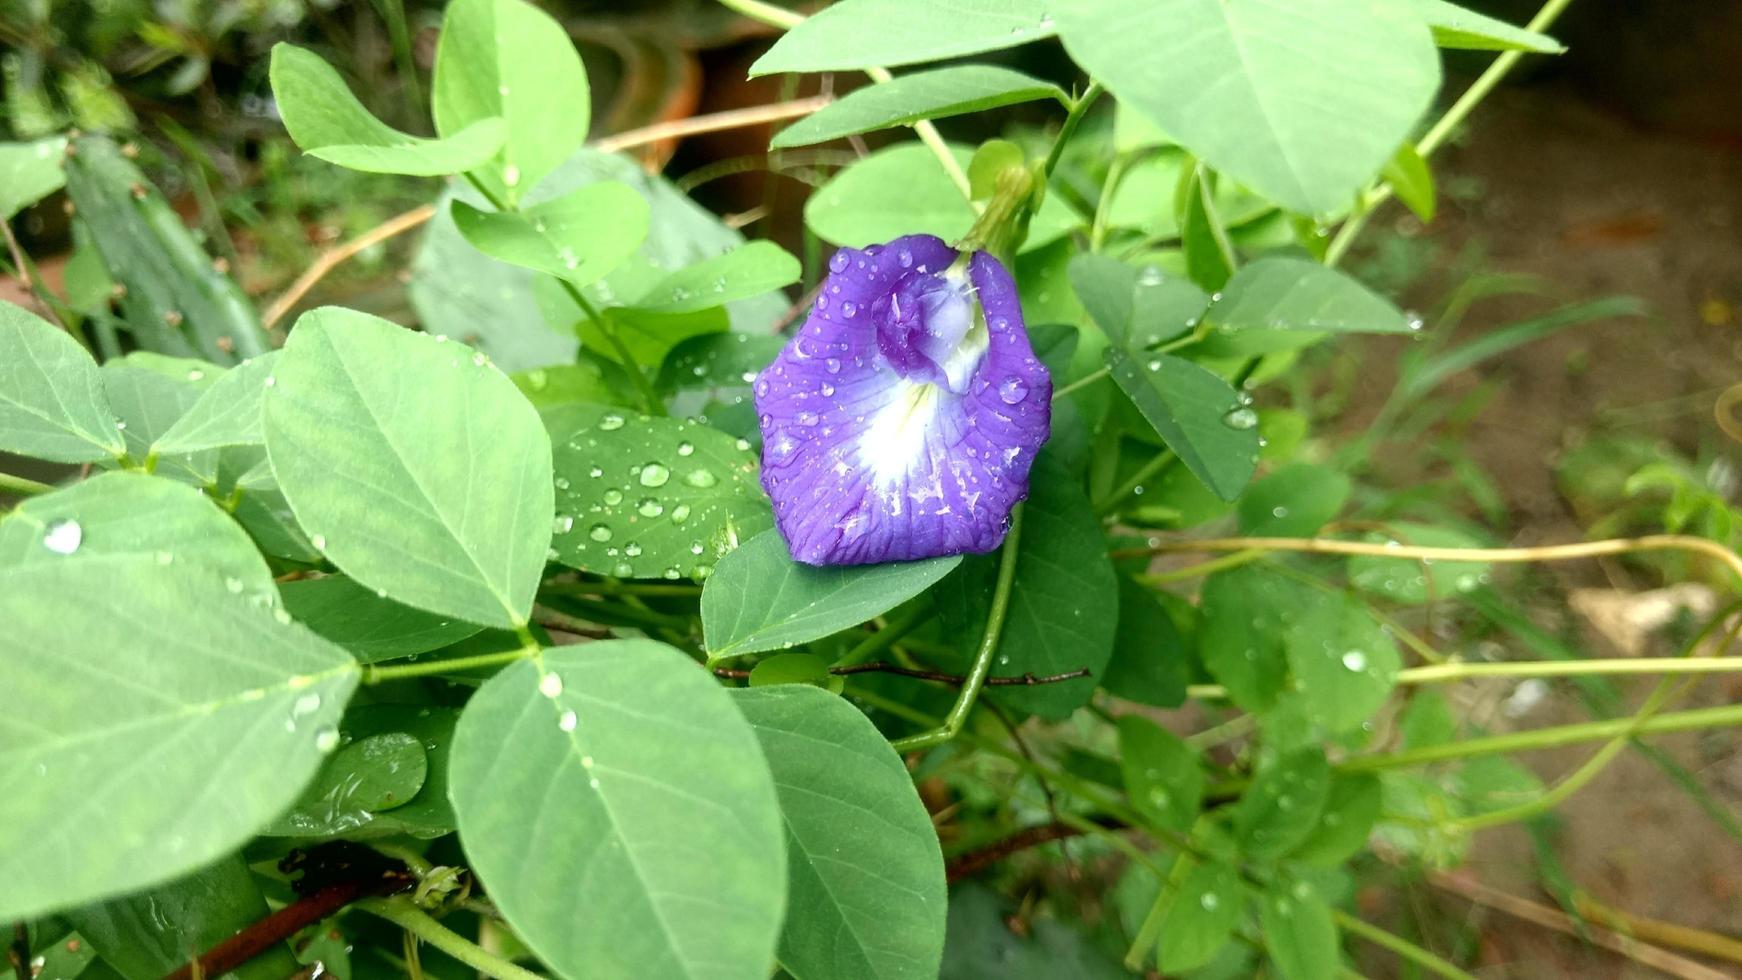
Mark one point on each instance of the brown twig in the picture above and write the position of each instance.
(797, 309)
(1542, 915)
(21, 268)
(713, 122)
(975, 861)
(338, 254)
(879, 667)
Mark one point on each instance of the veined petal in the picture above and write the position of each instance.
(902, 420)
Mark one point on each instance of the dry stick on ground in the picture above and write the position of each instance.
(401, 223)
(1542, 915)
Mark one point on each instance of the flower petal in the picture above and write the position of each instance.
(876, 452)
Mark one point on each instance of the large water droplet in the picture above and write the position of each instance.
(632, 549)
(613, 497)
(654, 475)
(685, 448)
(623, 570)
(611, 421)
(1012, 390)
(563, 524)
(326, 738)
(308, 704)
(550, 685)
(1241, 418)
(63, 536)
(680, 513)
(650, 508)
(562, 483)
(567, 721)
(1355, 660)
(838, 262)
(701, 479)
(599, 532)
(319, 541)
(1209, 901)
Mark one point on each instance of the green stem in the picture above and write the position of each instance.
(1447, 673)
(1082, 382)
(374, 674)
(620, 588)
(1073, 119)
(886, 637)
(649, 397)
(414, 920)
(1441, 129)
(1423, 958)
(982, 666)
(1230, 560)
(19, 486)
(1144, 472)
(1549, 738)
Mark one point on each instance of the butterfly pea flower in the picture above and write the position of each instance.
(902, 419)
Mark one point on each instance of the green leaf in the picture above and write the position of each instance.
(150, 934)
(717, 360)
(991, 160)
(1163, 778)
(751, 269)
(30, 172)
(1294, 501)
(795, 668)
(1280, 809)
(1150, 663)
(1202, 914)
(369, 625)
(642, 497)
(226, 414)
(328, 122)
(132, 515)
(428, 812)
(1063, 608)
(566, 384)
(1200, 416)
(1302, 100)
(1209, 255)
(1299, 933)
(431, 481)
(1413, 182)
(52, 404)
(579, 237)
(508, 60)
(1351, 809)
(903, 190)
(1344, 663)
(1414, 582)
(1247, 612)
(262, 510)
(618, 809)
(106, 766)
(175, 299)
(869, 33)
(149, 393)
(760, 599)
(922, 95)
(371, 774)
(1047, 949)
(1283, 303)
(865, 876)
(1135, 307)
(1455, 27)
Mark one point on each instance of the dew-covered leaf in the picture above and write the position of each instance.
(869, 33)
(328, 122)
(1209, 903)
(1163, 778)
(509, 60)
(718, 360)
(149, 394)
(1135, 307)
(1410, 580)
(367, 776)
(751, 269)
(1151, 662)
(371, 626)
(617, 807)
(1299, 933)
(922, 95)
(1280, 809)
(1294, 501)
(1248, 613)
(1281, 303)
(1198, 414)
(865, 876)
(430, 481)
(579, 237)
(113, 773)
(642, 497)
(1351, 808)
(1344, 663)
(1410, 178)
(52, 404)
(760, 599)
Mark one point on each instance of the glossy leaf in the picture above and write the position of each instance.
(1299, 933)
(718, 360)
(1280, 808)
(579, 237)
(641, 497)
(1302, 100)
(795, 668)
(1063, 607)
(1200, 416)
(922, 95)
(30, 172)
(106, 767)
(760, 599)
(328, 122)
(133, 515)
(371, 626)
(903, 190)
(52, 404)
(751, 269)
(618, 809)
(865, 876)
(1414, 582)
(427, 813)
(1280, 303)
(430, 481)
(869, 33)
(1163, 777)
(1293, 502)
(1135, 307)
(1344, 663)
(226, 414)
(509, 60)
(369, 775)
(1150, 663)
(1351, 808)
(1457, 27)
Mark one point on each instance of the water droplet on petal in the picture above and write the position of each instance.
(1012, 390)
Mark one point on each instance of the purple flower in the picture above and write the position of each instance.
(901, 421)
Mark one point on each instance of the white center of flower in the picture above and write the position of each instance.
(895, 436)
